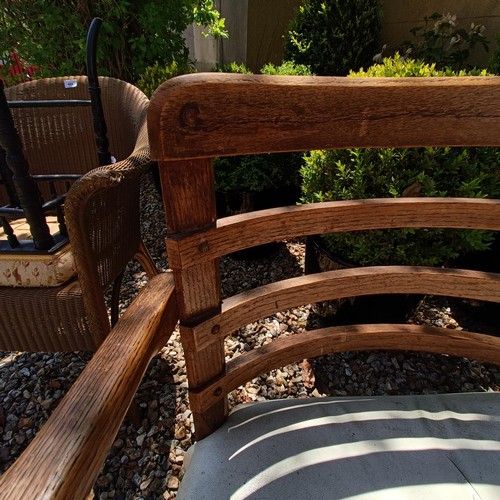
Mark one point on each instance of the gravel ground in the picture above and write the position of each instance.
(146, 462)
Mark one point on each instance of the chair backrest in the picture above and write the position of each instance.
(62, 139)
(59, 140)
(196, 117)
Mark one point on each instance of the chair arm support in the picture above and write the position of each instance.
(65, 457)
(103, 199)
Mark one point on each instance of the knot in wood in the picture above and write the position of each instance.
(190, 115)
(203, 247)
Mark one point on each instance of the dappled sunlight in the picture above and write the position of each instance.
(346, 451)
(355, 417)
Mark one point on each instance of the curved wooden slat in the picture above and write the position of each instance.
(251, 305)
(256, 228)
(313, 343)
(204, 115)
(66, 455)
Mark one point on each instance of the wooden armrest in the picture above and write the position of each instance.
(66, 455)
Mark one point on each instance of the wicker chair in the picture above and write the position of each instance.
(436, 446)
(101, 211)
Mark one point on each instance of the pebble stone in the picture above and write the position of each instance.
(146, 462)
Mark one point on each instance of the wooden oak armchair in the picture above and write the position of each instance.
(441, 446)
(101, 212)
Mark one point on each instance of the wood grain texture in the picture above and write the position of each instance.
(190, 208)
(256, 228)
(66, 455)
(242, 309)
(190, 197)
(203, 115)
(286, 350)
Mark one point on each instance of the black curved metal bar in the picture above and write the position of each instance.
(100, 128)
(68, 103)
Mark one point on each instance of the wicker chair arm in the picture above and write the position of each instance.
(102, 215)
(66, 455)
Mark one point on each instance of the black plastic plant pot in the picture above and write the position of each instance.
(487, 313)
(386, 308)
(238, 202)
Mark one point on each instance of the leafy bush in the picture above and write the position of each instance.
(443, 42)
(334, 37)
(494, 62)
(231, 68)
(286, 68)
(398, 66)
(373, 173)
(259, 172)
(134, 35)
(155, 75)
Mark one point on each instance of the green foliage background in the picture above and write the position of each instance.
(444, 42)
(385, 173)
(336, 36)
(51, 34)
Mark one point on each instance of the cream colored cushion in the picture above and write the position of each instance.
(35, 270)
(415, 447)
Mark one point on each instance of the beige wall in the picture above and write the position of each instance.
(256, 29)
(235, 13)
(399, 16)
(267, 23)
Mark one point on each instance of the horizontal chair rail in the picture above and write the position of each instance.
(313, 343)
(221, 115)
(62, 103)
(233, 233)
(242, 309)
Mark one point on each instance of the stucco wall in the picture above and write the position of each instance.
(267, 23)
(399, 16)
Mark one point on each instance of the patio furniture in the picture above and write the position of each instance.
(52, 132)
(54, 300)
(439, 446)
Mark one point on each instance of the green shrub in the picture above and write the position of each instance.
(442, 41)
(134, 35)
(380, 173)
(259, 172)
(398, 66)
(155, 75)
(286, 68)
(333, 37)
(231, 68)
(494, 62)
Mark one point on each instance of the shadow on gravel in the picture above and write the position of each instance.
(403, 372)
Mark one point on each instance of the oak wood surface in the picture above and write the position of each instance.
(286, 350)
(256, 228)
(190, 207)
(248, 306)
(203, 115)
(65, 457)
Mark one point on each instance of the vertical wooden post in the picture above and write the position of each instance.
(189, 207)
